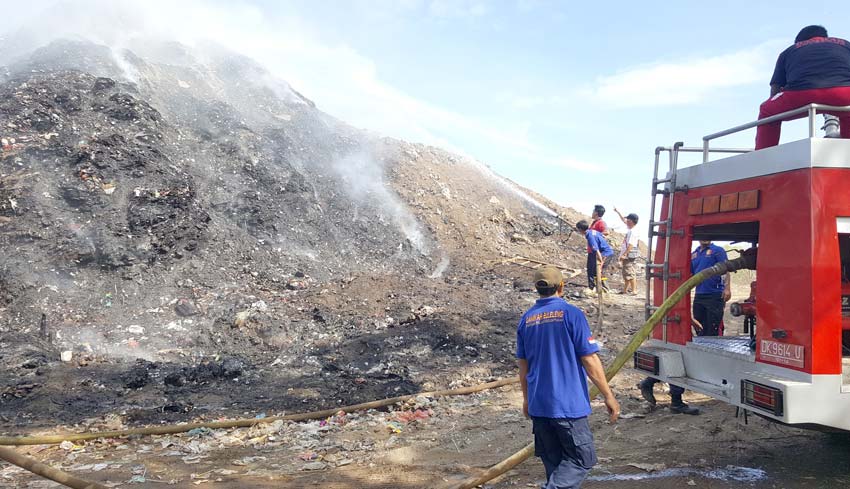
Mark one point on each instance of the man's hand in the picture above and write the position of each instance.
(593, 367)
(522, 363)
(727, 294)
(697, 326)
(613, 408)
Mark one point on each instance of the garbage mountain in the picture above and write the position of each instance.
(173, 216)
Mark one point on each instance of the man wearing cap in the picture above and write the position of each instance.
(629, 253)
(598, 225)
(556, 353)
(600, 257)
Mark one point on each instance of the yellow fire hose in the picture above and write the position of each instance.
(747, 260)
(46, 471)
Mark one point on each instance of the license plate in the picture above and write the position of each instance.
(782, 353)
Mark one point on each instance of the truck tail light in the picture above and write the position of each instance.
(646, 362)
(762, 396)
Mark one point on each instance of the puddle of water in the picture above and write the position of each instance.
(729, 473)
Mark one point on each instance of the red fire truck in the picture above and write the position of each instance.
(792, 203)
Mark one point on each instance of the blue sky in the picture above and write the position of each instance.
(567, 98)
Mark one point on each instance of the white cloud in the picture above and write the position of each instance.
(686, 82)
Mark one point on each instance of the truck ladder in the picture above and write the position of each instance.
(664, 227)
(667, 186)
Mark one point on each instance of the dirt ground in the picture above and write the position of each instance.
(428, 443)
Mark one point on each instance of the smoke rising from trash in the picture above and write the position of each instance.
(157, 31)
(363, 179)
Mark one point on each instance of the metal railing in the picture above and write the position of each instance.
(664, 228)
(811, 109)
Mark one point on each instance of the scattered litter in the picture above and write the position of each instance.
(247, 460)
(136, 329)
(202, 431)
(412, 416)
(632, 415)
(395, 427)
(307, 456)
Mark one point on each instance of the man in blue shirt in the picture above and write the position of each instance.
(708, 305)
(711, 295)
(599, 255)
(815, 69)
(555, 353)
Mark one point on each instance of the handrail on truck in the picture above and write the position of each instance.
(811, 109)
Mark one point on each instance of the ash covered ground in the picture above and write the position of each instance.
(205, 241)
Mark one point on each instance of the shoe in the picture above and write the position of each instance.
(646, 392)
(683, 409)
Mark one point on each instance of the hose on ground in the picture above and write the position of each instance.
(746, 260)
(46, 471)
(245, 422)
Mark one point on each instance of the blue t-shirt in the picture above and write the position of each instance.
(553, 336)
(597, 241)
(819, 62)
(704, 258)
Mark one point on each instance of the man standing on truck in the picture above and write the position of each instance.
(555, 354)
(815, 69)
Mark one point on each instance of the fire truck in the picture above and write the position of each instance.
(791, 203)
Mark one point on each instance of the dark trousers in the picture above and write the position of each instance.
(565, 446)
(708, 310)
(607, 263)
(675, 391)
(591, 270)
